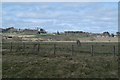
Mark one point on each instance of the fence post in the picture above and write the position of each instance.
(11, 47)
(72, 49)
(38, 47)
(114, 50)
(54, 49)
(92, 53)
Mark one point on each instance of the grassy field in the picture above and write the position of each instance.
(27, 62)
(61, 37)
(60, 66)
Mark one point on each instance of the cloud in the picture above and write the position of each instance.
(62, 16)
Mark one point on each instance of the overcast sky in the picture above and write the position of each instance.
(80, 16)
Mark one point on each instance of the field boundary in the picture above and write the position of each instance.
(54, 48)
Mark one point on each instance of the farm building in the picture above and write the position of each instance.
(41, 31)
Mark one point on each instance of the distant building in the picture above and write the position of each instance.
(41, 31)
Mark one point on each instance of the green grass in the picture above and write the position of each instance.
(61, 37)
(60, 66)
(29, 63)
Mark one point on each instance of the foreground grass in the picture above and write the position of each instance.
(60, 66)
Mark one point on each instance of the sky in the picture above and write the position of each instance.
(94, 17)
(60, 0)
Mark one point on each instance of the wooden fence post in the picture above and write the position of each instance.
(11, 47)
(72, 49)
(92, 53)
(38, 47)
(114, 50)
(54, 49)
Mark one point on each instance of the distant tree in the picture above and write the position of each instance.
(42, 30)
(19, 29)
(112, 35)
(58, 33)
(106, 33)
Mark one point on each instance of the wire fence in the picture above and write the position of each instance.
(59, 48)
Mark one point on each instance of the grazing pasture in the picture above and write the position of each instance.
(59, 66)
(59, 60)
